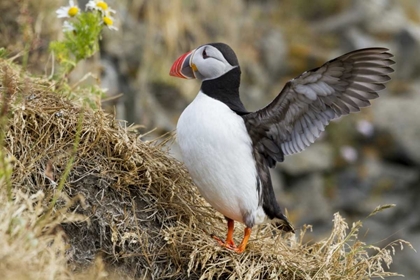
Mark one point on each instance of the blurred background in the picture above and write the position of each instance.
(361, 161)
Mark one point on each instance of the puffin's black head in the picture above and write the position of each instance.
(206, 62)
(217, 67)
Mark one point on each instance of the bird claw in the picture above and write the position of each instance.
(227, 244)
(230, 246)
(238, 250)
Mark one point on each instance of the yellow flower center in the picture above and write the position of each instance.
(73, 11)
(108, 21)
(102, 5)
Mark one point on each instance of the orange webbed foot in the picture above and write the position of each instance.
(241, 248)
(229, 244)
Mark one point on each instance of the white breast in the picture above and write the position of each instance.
(217, 151)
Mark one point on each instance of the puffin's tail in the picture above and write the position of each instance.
(283, 224)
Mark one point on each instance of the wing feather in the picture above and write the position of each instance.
(300, 112)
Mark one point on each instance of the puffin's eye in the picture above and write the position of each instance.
(205, 54)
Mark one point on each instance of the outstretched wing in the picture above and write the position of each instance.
(297, 116)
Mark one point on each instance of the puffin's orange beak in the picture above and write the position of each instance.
(182, 67)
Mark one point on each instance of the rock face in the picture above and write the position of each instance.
(317, 158)
(401, 115)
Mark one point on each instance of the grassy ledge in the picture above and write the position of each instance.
(82, 197)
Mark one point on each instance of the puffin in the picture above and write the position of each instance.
(229, 150)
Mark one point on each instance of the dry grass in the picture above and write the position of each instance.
(128, 208)
(30, 250)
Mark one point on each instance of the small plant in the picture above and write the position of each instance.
(82, 32)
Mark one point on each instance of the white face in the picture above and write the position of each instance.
(209, 63)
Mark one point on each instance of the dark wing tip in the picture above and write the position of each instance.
(283, 224)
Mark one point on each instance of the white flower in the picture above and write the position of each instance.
(108, 20)
(101, 6)
(68, 11)
(366, 128)
(68, 27)
(349, 153)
